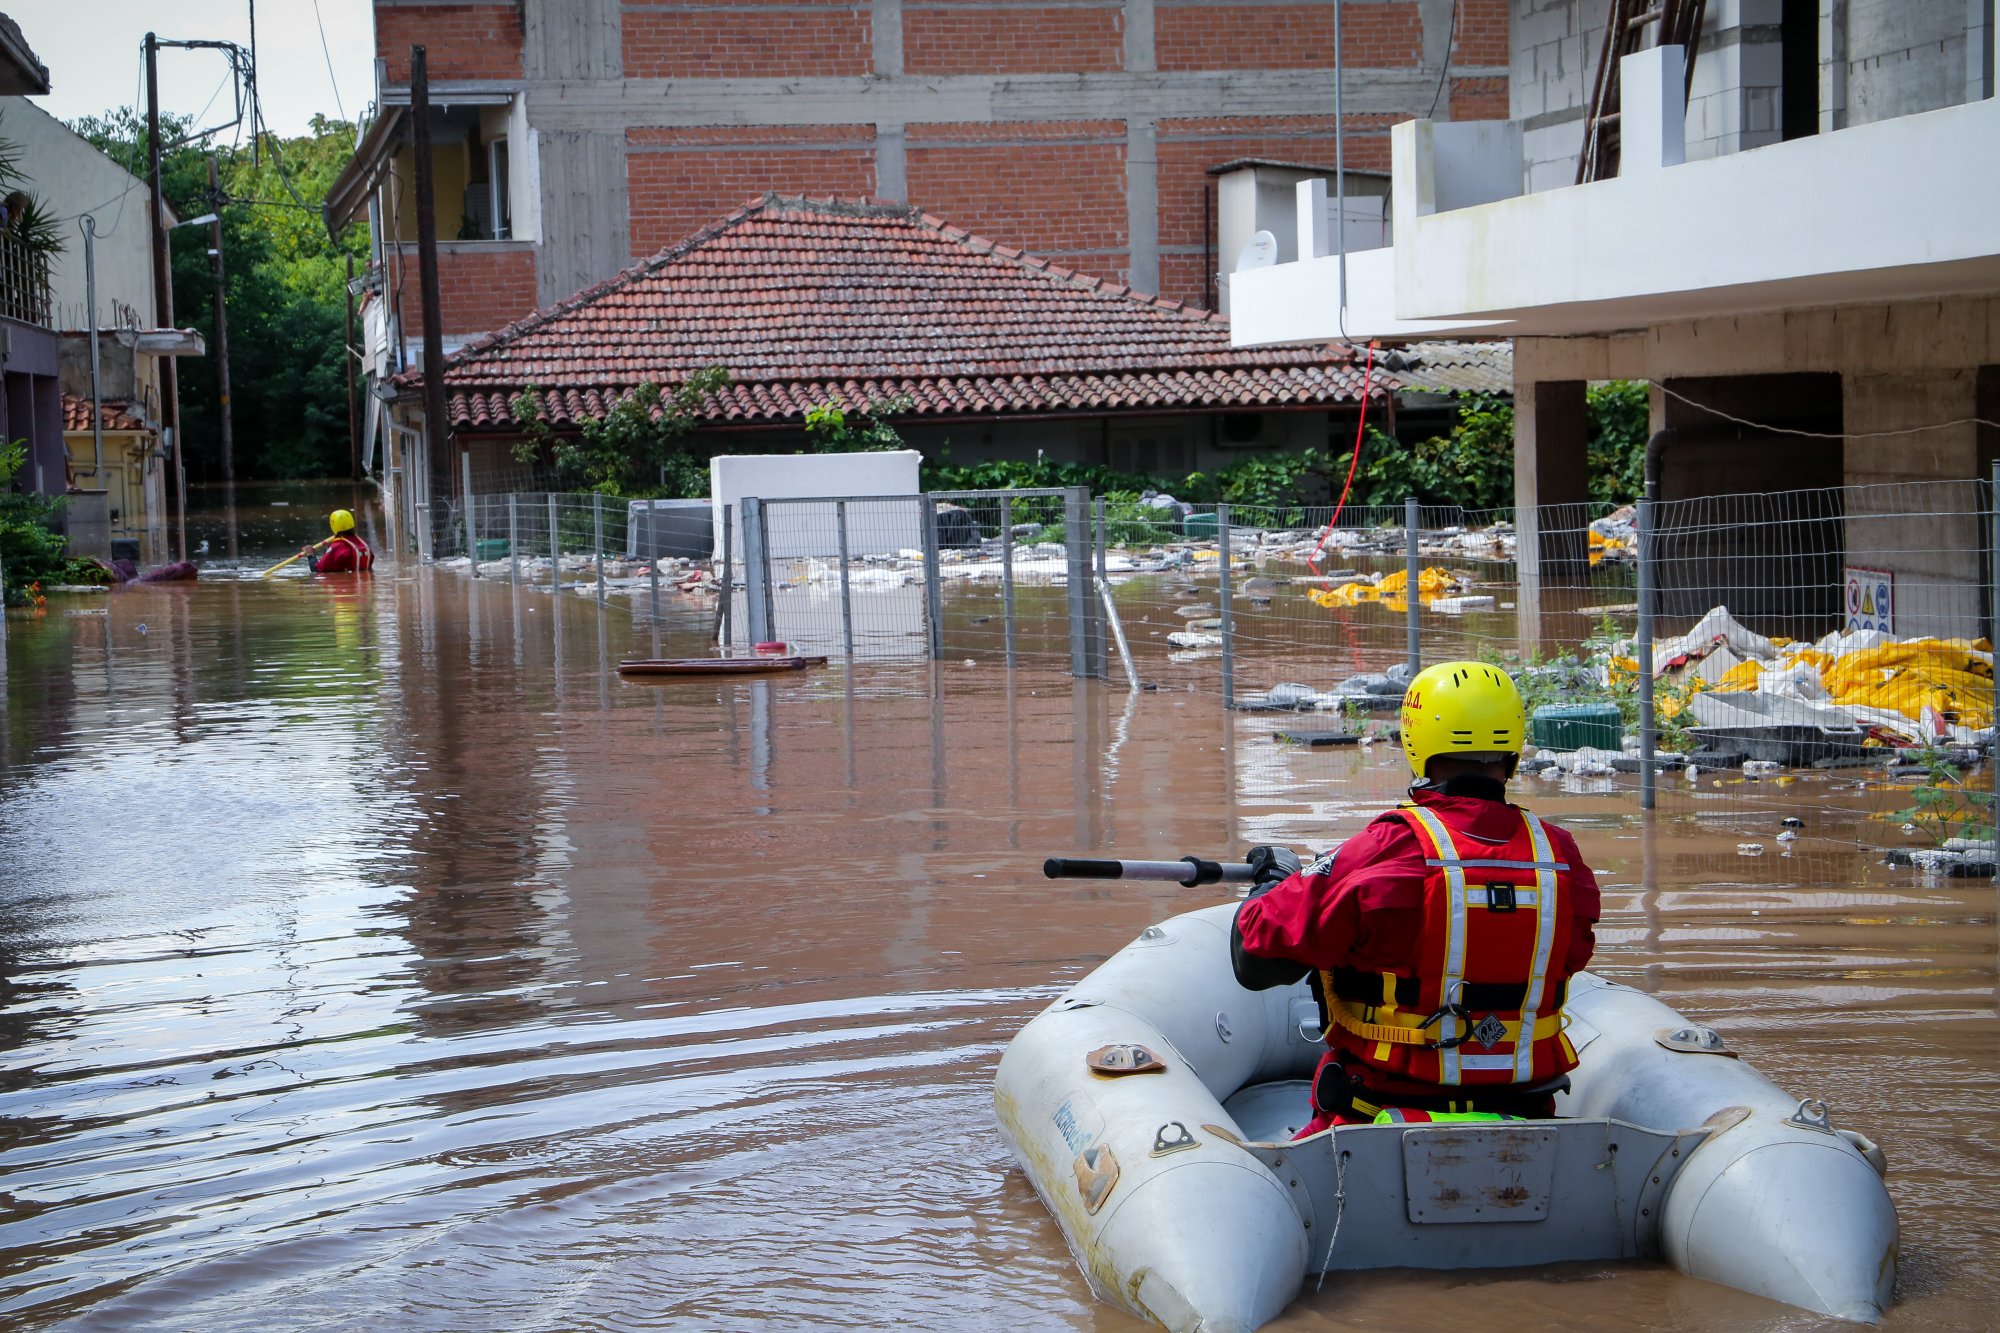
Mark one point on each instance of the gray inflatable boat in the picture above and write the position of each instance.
(1153, 1107)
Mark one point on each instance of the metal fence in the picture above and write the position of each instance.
(1801, 633)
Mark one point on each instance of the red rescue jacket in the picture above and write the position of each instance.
(345, 554)
(1433, 937)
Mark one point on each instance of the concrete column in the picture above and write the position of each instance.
(1832, 65)
(886, 25)
(1139, 36)
(1436, 18)
(1653, 103)
(1142, 205)
(892, 161)
(1925, 535)
(1551, 468)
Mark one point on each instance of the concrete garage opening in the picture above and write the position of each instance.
(1754, 511)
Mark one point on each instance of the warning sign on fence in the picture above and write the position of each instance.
(1871, 599)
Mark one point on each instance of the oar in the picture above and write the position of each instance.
(290, 558)
(1188, 871)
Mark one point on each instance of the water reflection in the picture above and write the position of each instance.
(361, 930)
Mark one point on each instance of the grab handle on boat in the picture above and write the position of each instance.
(1189, 871)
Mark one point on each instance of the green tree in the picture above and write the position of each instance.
(285, 293)
(1620, 423)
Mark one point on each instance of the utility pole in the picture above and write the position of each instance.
(163, 298)
(347, 349)
(436, 431)
(221, 325)
(222, 354)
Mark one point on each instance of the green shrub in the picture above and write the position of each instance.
(31, 550)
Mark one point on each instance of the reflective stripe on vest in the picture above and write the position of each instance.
(1454, 945)
(1545, 935)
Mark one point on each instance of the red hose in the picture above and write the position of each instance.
(1361, 425)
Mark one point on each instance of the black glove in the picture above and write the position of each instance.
(1270, 865)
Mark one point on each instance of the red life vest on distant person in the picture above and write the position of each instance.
(345, 554)
(1490, 963)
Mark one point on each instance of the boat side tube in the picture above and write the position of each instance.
(1167, 1216)
(1774, 1200)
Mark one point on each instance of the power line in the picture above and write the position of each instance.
(325, 50)
(1820, 434)
(1451, 37)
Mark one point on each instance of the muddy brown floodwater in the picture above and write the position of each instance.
(375, 957)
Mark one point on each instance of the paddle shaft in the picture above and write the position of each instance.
(1188, 871)
(290, 558)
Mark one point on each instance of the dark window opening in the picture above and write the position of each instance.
(1798, 35)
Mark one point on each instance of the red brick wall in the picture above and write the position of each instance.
(1482, 33)
(1194, 35)
(816, 37)
(681, 180)
(460, 41)
(1479, 99)
(479, 290)
(1024, 39)
(1057, 188)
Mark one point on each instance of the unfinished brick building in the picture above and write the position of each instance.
(572, 137)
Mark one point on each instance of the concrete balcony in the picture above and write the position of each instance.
(1896, 210)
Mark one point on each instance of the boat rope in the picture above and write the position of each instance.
(1340, 1157)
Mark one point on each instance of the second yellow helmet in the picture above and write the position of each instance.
(1467, 708)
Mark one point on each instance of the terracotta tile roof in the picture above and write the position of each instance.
(809, 301)
(118, 414)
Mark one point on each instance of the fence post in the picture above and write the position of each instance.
(471, 527)
(1076, 524)
(933, 593)
(555, 546)
(1228, 622)
(513, 538)
(1100, 659)
(723, 611)
(1007, 574)
(1412, 572)
(756, 570)
(1642, 652)
(1993, 636)
(846, 602)
(597, 539)
(653, 575)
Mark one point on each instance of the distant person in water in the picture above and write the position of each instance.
(344, 552)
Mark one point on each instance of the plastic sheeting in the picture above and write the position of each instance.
(1432, 582)
(1919, 690)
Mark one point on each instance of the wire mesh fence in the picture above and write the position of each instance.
(1799, 643)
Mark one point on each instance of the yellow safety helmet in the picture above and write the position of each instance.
(340, 520)
(1466, 708)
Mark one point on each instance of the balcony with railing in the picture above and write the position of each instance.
(24, 282)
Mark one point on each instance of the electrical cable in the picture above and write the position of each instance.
(1451, 39)
(1820, 434)
(1360, 429)
(328, 52)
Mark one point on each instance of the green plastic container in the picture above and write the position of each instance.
(490, 548)
(1199, 528)
(1573, 726)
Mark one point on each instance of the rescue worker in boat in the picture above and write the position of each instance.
(345, 552)
(1441, 939)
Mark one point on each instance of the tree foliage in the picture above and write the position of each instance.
(285, 296)
(642, 448)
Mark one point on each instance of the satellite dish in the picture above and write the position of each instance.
(1260, 252)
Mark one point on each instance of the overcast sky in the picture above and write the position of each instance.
(92, 50)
